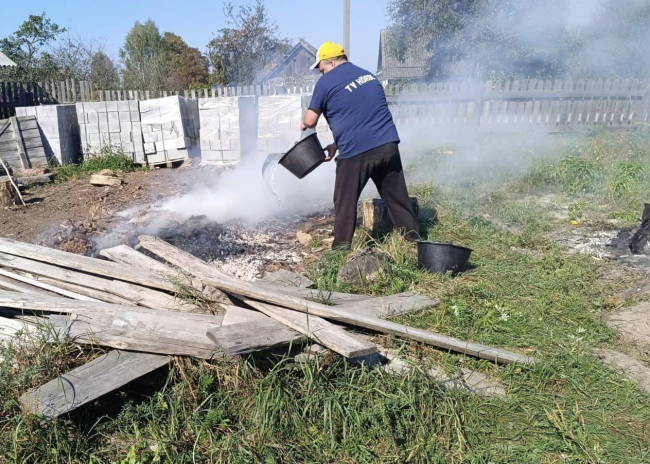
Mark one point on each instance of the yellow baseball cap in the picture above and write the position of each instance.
(327, 51)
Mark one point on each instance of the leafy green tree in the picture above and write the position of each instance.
(484, 38)
(28, 48)
(188, 67)
(103, 72)
(248, 48)
(143, 57)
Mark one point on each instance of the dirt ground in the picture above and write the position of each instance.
(65, 215)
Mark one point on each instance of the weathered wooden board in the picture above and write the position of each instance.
(329, 335)
(254, 336)
(238, 315)
(372, 323)
(126, 255)
(98, 331)
(100, 180)
(384, 306)
(163, 325)
(142, 296)
(53, 304)
(104, 374)
(44, 286)
(287, 279)
(225, 283)
(321, 331)
(18, 138)
(84, 263)
(15, 286)
(91, 292)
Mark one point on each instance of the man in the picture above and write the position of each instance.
(354, 105)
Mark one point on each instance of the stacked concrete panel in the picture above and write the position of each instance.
(279, 123)
(112, 125)
(170, 129)
(228, 128)
(60, 130)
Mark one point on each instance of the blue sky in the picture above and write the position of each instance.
(197, 20)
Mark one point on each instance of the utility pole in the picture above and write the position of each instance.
(346, 27)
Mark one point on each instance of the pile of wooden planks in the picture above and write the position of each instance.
(21, 144)
(130, 302)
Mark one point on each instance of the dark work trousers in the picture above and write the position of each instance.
(384, 166)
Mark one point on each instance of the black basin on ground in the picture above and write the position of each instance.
(304, 157)
(443, 257)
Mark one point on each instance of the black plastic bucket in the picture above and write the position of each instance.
(443, 257)
(304, 157)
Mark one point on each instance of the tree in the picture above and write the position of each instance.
(188, 67)
(27, 47)
(616, 44)
(103, 72)
(74, 56)
(484, 38)
(249, 47)
(143, 56)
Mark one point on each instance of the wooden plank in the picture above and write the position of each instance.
(288, 279)
(44, 286)
(19, 142)
(373, 323)
(124, 254)
(388, 306)
(104, 374)
(99, 332)
(238, 315)
(4, 125)
(16, 286)
(253, 336)
(101, 180)
(163, 325)
(321, 331)
(32, 143)
(138, 295)
(324, 332)
(84, 263)
(91, 292)
(211, 276)
(54, 304)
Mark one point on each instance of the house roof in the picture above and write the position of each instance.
(413, 66)
(301, 44)
(4, 61)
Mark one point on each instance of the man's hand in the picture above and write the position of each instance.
(303, 127)
(331, 151)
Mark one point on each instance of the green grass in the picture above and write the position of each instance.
(522, 293)
(108, 159)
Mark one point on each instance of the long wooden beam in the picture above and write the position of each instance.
(104, 374)
(326, 333)
(321, 331)
(84, 263)
(142, 296)
(214, 277)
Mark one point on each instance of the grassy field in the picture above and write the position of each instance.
(522, 293)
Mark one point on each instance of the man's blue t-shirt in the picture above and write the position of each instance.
(354, 104)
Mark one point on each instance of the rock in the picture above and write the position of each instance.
(363, 266)
(632, 324)
(303, 237)
(631, 367)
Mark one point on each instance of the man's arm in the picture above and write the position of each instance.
(310, 119)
